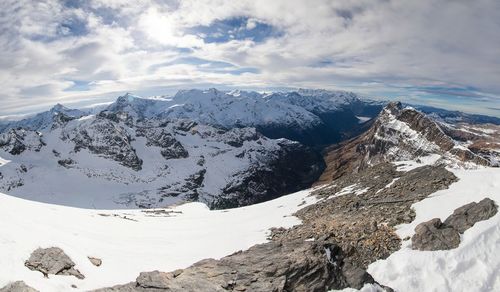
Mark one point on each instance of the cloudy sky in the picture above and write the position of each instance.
(436, 52)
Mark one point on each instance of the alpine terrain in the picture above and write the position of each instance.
(208, 190)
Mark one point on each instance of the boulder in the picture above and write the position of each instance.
(52, 261)
(95, 261)
(356, 277)
(466, 216)
(155, 279)
(434, 235)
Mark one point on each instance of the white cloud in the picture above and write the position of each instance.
(251, 24)
(133, 46)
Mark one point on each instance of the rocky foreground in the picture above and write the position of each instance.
(351, 226)
(339, 237)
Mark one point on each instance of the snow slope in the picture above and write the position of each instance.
(130, 241)
(473, 266)
(215, 107)
(95, 162)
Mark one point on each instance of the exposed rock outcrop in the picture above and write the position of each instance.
(105, 138)
(18, 286)
(436, 235)
(52, 261)
(16, 141)
(289, 266)
(466, 216)
(170, 147)
(68, 162)
(397, 134)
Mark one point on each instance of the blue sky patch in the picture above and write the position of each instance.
(238, 28)
(207, 66)
(73, 27)
(78, 85)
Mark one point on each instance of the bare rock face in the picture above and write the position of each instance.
(291, 168)
(466, 216)
(423, 125)
(289, 266)
(434, 235)
(16, 141)
(397, 134)
(52, 261)
(170, 147)
(106, 138)
(18, 286)
(154, 279)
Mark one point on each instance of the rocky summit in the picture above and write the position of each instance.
(404, 133)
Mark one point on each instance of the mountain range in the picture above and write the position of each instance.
(225, 149)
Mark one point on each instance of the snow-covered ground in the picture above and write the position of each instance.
(130, 241)
(473, 266)
(103, 183)
(363, 119)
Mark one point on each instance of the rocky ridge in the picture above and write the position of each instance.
(17, 141)
(350, 227)
(400, 134)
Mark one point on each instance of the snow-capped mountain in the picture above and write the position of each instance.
(454, 117)
(225, 149)
(44, 120)
(107, 163)
(310, 117)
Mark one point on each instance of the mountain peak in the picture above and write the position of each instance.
(127, 98)
(58, 108)
(394, 107)
(401, 134)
